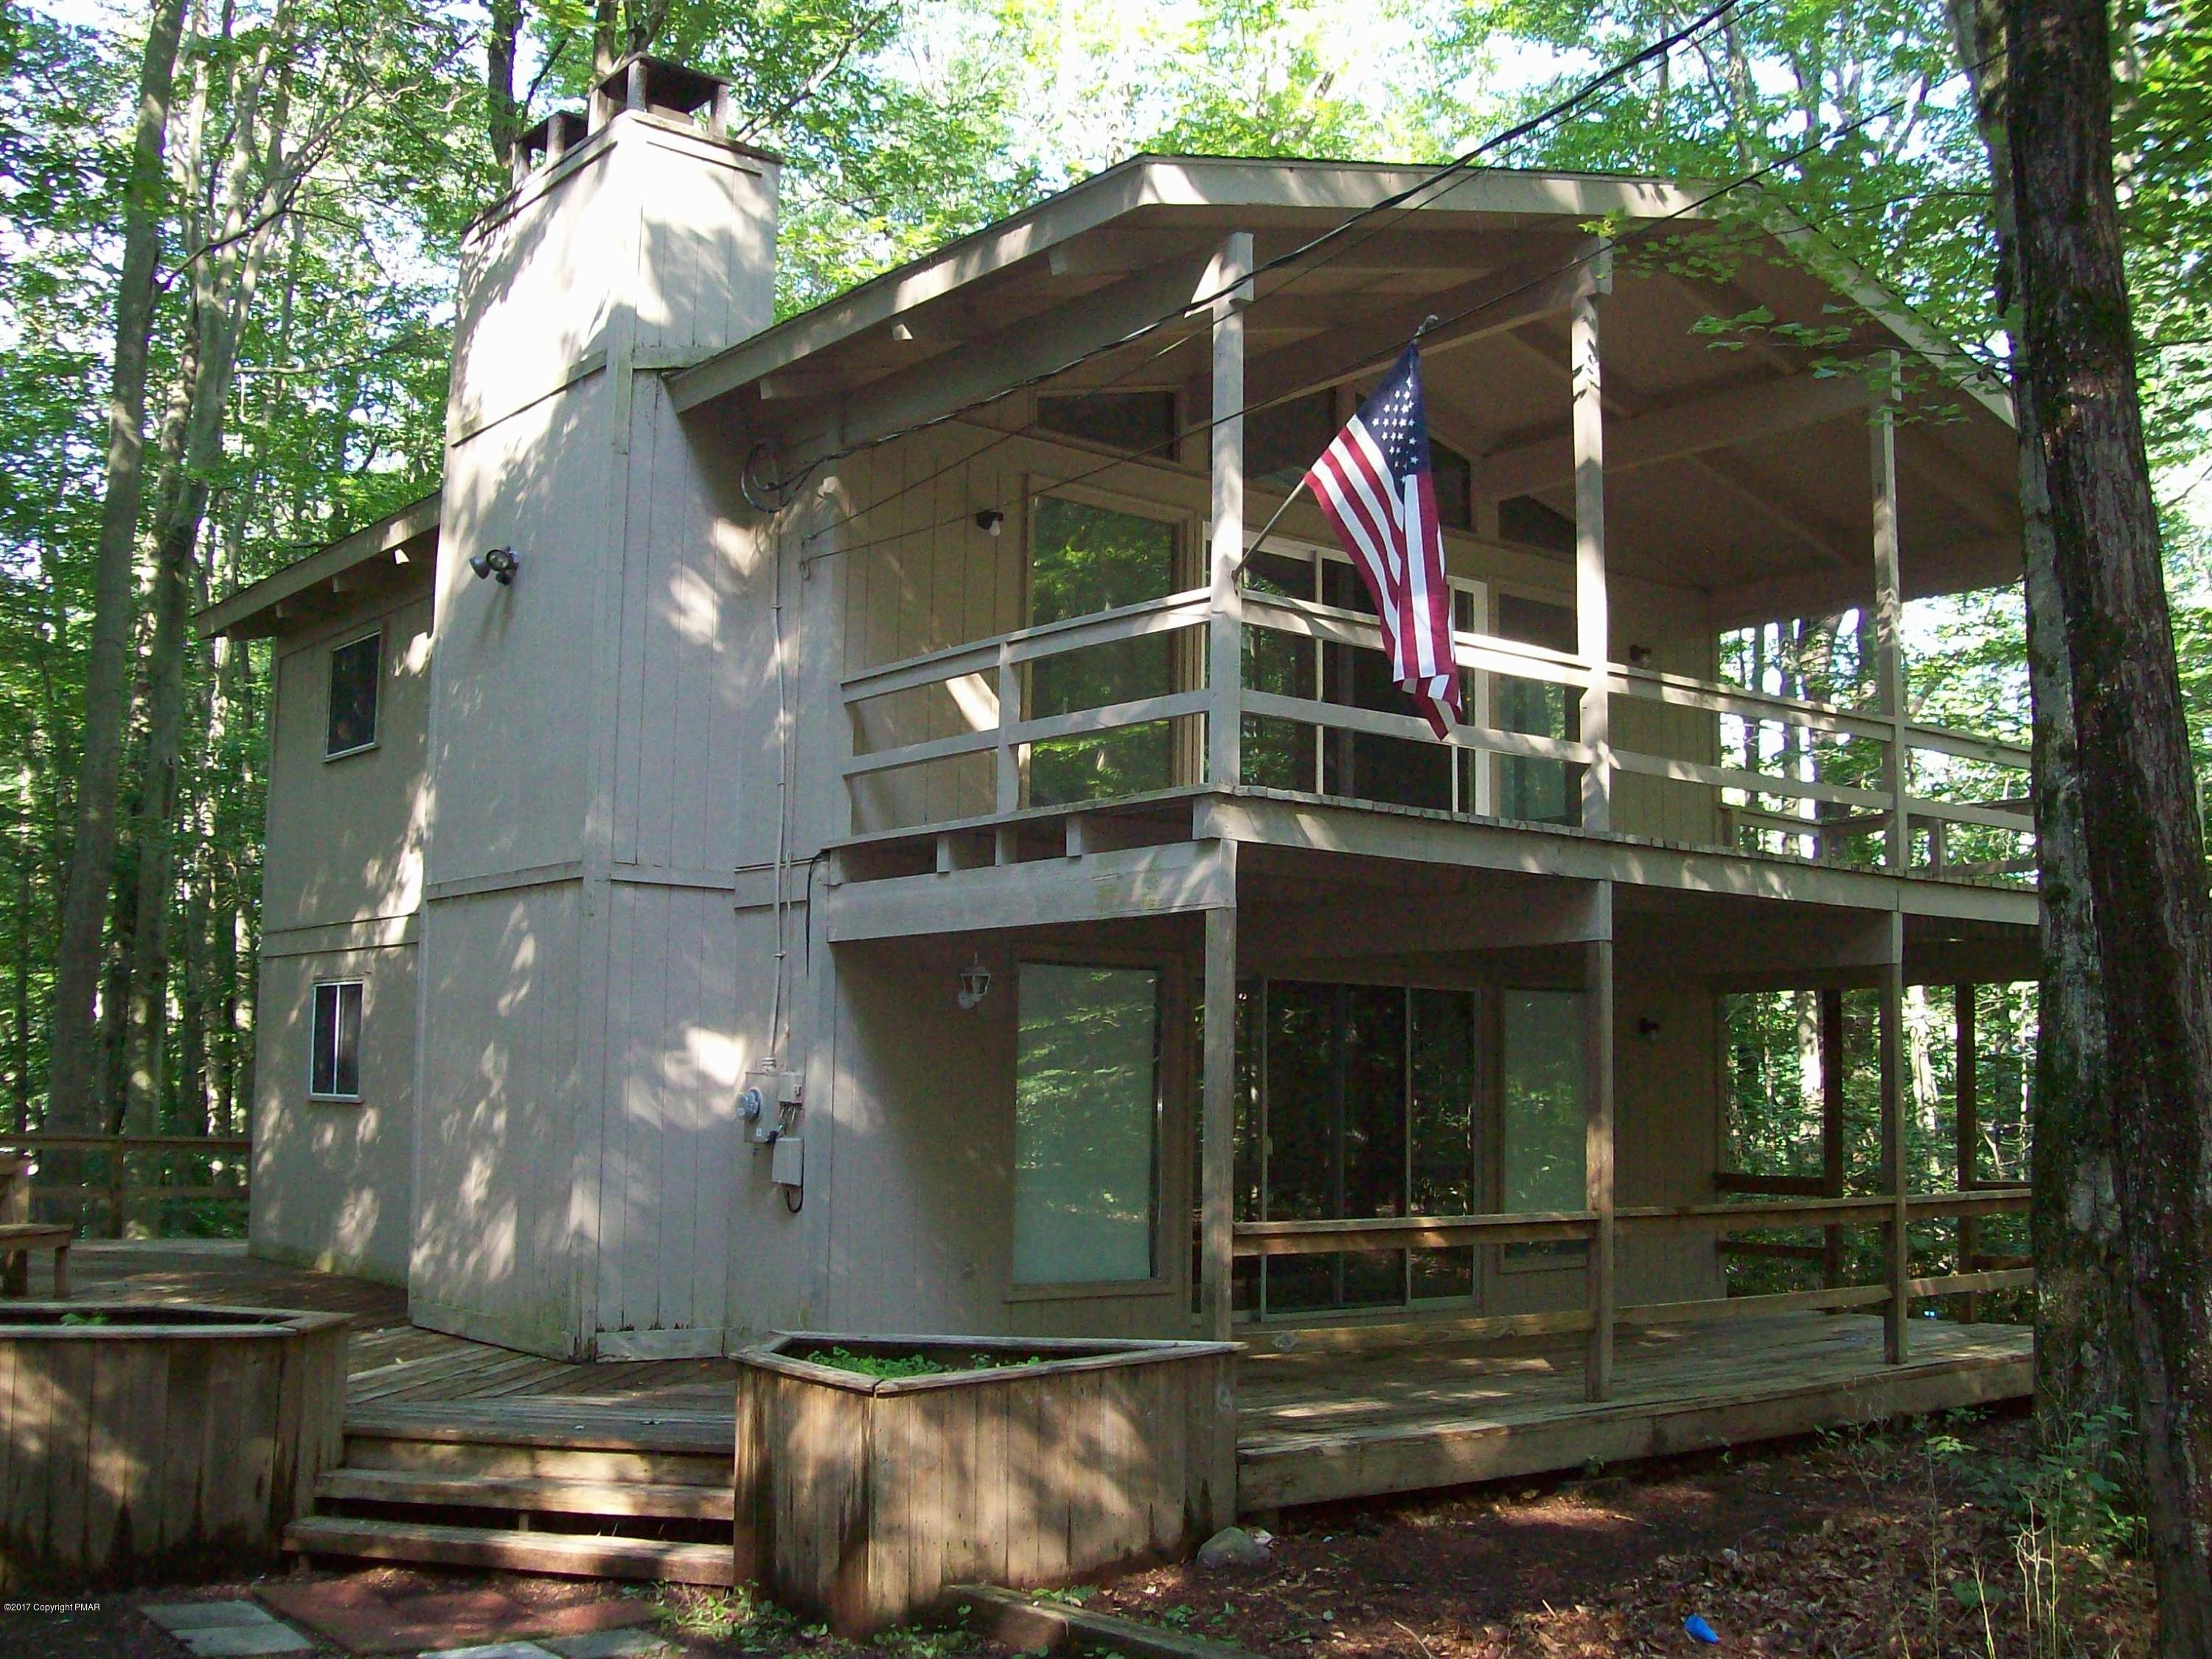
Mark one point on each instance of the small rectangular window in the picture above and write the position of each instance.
(1086, 1124)
(334, 1055)
(1283, 441)
(1525, 519)
(1142, 423)
(1453, 475)
(355, 667)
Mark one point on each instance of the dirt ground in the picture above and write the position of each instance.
(1903, 1544)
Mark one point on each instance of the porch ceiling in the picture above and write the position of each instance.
(1737, 463)
(1309, 912)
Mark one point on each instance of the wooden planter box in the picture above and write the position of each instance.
(859, 1499)
(163, 1444)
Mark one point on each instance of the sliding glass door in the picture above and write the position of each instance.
(1366, 1107)
(1366, 1102)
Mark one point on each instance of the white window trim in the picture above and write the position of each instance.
(314, 995)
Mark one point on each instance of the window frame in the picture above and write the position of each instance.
(339, 984)
(376, 702)
(1168, 1081)
(1482, 1108)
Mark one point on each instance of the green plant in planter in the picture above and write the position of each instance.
(910, 1364)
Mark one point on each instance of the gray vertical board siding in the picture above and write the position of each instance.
(493, 1216)
(333, 1181)
(347, 832)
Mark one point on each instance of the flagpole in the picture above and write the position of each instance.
(1266, 529)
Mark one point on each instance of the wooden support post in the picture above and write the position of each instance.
(1008, 792)
(1832, 1130)
(1217, 1170)
(1897, 1238)
(1598, 1146)
(1592, 626)
(1889, 615)
(1232, 270)
(1970, 1129)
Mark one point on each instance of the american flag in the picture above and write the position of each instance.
(1374, 484)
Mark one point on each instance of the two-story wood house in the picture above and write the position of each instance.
(829, 822)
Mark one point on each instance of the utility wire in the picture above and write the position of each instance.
(1396, 205)
(1640, 231)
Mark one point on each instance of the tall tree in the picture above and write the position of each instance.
(2144, 834)
(2081, 1335)
(73, 1100)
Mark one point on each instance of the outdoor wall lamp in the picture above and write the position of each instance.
(991, 520)
(975, 983)
(497, 562)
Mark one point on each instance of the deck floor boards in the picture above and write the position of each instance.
(1311, 1427)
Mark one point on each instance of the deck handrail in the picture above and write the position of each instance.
(118, 1191)
(1325, 1237)
(992, 712)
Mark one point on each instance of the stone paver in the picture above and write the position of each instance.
(492, 1650)
(610, 1645)
(177, 1617)
(228, 1630)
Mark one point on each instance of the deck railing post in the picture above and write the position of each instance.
(1897, 1238)
(1832, 1130)
(1230, 278)
(1592, 626)
(1598, 1145)
(1008, 792)
(1969, 1128)
(1889, 613)
(1217, 1110)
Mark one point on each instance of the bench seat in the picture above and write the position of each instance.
(17, 1240)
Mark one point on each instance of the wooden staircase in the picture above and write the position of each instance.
(598, 1488)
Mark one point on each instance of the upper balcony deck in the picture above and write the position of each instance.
(1701, 783)
(1157, 344)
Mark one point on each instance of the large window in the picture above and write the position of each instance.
(354, 666)
(1085, 558)
(334, 1046)
(1086, 1124)
(1542, 1142)
(1538, 790)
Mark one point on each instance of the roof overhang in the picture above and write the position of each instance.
(1735, 462)
(395, 553)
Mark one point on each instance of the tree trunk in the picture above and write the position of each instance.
(71, 1102)
(2146, 845)
(503, 115)
(2080, 1311)
(20, 1061)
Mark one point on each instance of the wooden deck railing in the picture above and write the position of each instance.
(1948, 777)
(125, 1157)
(1269, 1239)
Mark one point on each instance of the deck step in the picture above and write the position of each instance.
(542, 1439)
(538, 1495)
(572, 1554)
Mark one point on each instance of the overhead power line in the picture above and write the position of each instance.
(1640, 231)
(1391, 208)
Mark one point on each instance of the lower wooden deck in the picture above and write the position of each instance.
(1313, 1428)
